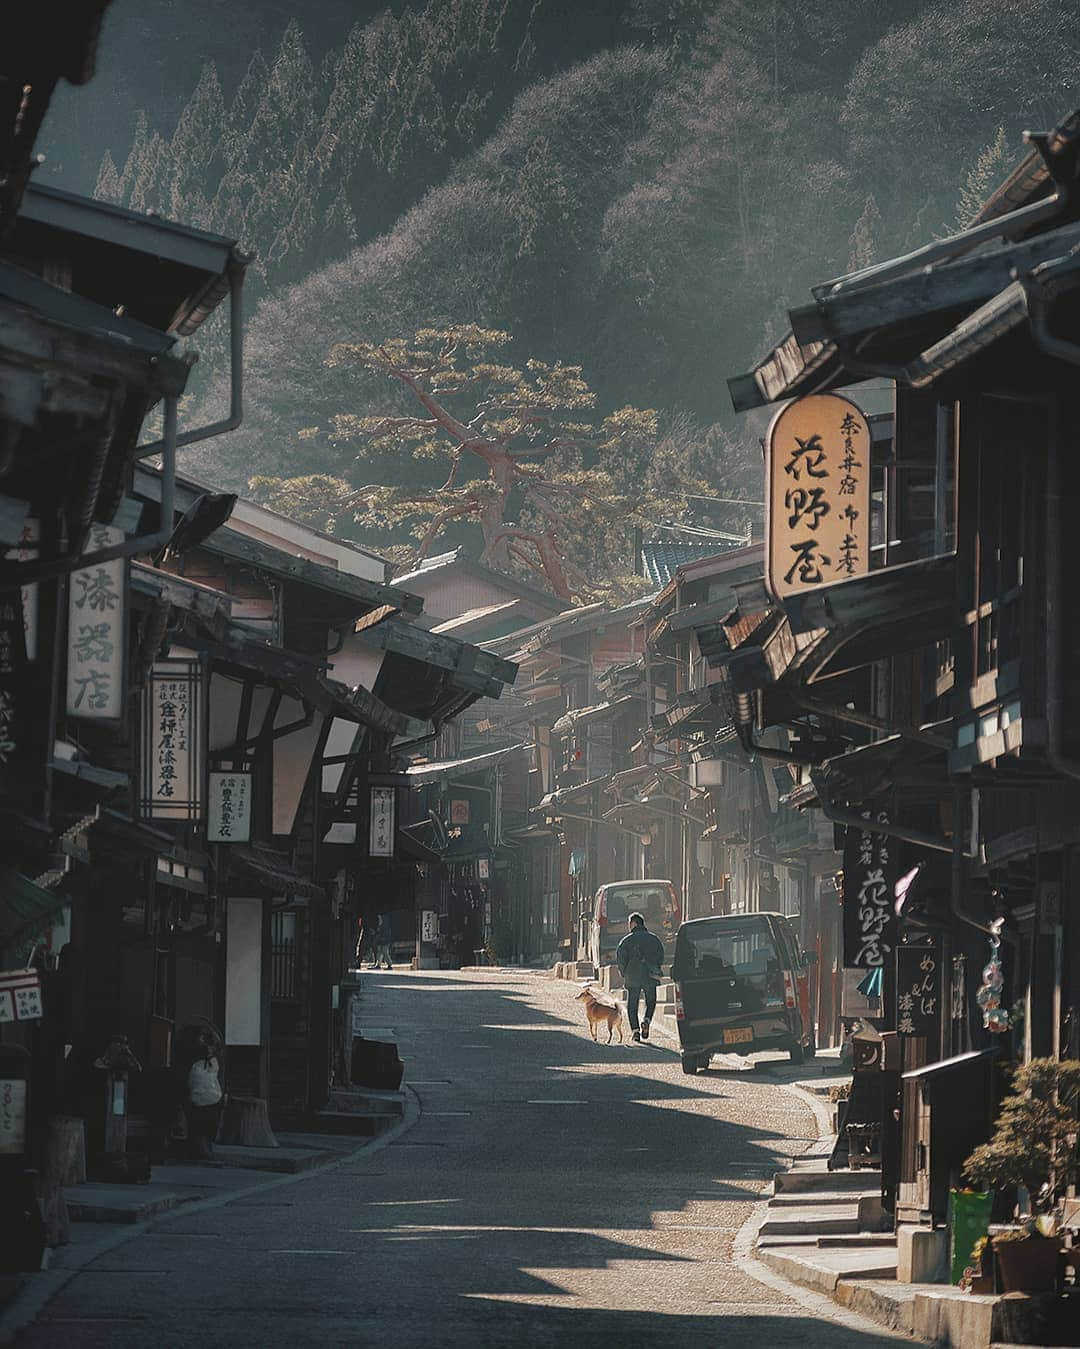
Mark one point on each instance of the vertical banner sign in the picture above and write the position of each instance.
(228, 808)
(869, 913)
(12, 695)
(173, 729)
(918, 991)
(95, 646)
(818, 507)
(381, 835)
(27, 551)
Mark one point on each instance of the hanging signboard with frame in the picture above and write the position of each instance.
(228, 808)
(173, 732)
(97, 604)
(381, 833)
(918, 990)
(818, 499)
(869, 915)
(14, 722)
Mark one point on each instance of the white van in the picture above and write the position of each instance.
(656, 901)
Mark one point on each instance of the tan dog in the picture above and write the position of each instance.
(598, 1011)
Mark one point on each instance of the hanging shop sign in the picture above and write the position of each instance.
(173, 730)
(381, 832)
(818, 504)
(97, 604)
(20, 995)
(27, 551)
(12, 1116)
(13, 696)
(918, 990)
(228, 808)
(869, 913)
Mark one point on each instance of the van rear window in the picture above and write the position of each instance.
(654, 903)
(743, 947)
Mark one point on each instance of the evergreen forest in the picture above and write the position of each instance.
(637, 189)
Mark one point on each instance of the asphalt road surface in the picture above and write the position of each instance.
(553, 1192)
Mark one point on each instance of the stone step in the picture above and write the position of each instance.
(366, 1101)
(812, 1175)
(812, 1220)
(119, 1203)
(823, 1270)
(843, 1241)
(355, 1125)
(797, 1199)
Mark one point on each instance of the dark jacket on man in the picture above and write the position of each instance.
(639, 956)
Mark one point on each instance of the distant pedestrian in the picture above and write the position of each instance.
(365, 947)
(639, 957)
(382, 942)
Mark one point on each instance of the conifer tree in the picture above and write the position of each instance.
(527, 460)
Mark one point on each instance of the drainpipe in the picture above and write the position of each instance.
(1069, 352)
(744, 727)
(236, 375)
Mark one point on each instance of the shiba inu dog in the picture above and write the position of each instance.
(598, 1012)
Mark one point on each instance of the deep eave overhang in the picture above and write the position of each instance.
(886, 612)
(206, 261)
(291, 566)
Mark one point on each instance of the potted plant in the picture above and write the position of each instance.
(1033, 1145)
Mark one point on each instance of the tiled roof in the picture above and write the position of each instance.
(661, 557)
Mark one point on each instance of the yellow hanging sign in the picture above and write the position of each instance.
(818, 514)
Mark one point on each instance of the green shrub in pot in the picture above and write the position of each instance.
(1034, 1140)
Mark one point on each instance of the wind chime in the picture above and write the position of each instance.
(995, 1017)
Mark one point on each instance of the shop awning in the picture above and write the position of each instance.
(584, 716)
(869, 770)
(25, 907)
(273, 870)
(445, 769)
(568, 796)
(413, 848)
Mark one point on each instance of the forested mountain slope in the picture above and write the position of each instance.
(644, 204)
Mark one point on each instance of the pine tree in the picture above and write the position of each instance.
(528, 461)
(109, 186)
(863, 247)
(989, 169)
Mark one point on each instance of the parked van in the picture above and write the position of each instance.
(741, 985)
(657, 903)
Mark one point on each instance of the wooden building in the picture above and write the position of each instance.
(926, 694)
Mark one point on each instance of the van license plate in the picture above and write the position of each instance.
(738, 1035)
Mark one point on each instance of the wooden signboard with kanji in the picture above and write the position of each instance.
(818, 500)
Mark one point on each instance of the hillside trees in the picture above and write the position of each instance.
(926, 99)
(521, 455)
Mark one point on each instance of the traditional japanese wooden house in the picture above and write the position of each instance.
(926, 693)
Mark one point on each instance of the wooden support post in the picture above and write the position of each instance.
(64, 1164)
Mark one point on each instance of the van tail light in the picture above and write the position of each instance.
(601, 910)
(789, 989)
(680, 1015)
(676, 911)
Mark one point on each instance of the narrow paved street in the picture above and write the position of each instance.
(553, 1192)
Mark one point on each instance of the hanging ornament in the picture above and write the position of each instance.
(995, 1017)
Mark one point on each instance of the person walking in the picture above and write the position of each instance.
(639, 956)
(382, 941)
